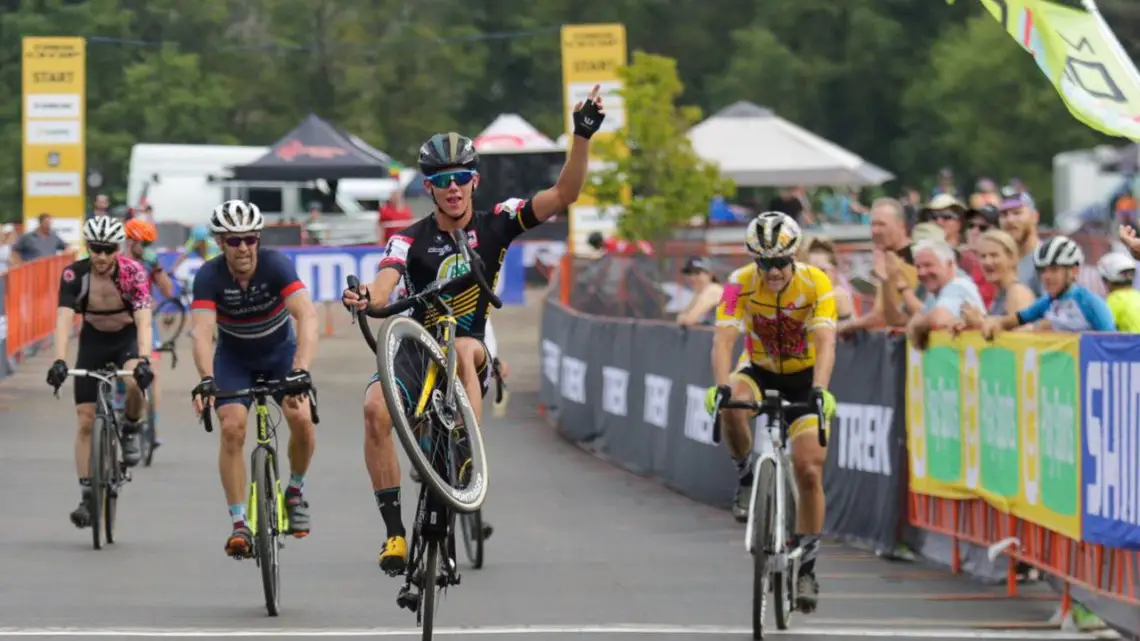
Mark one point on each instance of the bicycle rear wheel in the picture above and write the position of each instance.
(98, 479)
(110, 481)
(429, 590)
(398, 332)
(265, 539)
(762, 514)
(146, 438)
(171, 319)
(783, 583)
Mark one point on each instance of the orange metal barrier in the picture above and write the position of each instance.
(1108, 571)
(31, 300)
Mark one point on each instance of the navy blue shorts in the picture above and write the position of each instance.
(235, 371)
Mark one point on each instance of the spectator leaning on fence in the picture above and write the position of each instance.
(947, 212)
(701, 309)
(1118, 271)
(999, 255)
(821, 253)
(909, 293)
(1065, 306)
(947, 290)
(892, 247)
(1018, 216)
(39, 242)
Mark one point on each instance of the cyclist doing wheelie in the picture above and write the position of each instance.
(112, 294)
(424, 253)
(786, 309)
(249, 294)
(141, 234)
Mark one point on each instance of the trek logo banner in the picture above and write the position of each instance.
(323, 270)
(1110, 426)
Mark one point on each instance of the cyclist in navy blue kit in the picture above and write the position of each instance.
(248, 293)
(424, 253)
(1066, 306)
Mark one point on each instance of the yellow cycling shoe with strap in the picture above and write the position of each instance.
(394, 557)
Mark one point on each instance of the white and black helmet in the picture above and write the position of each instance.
(1117, 268)
(773, 234)
(236, 217)
(104, 229)
(1060, 251)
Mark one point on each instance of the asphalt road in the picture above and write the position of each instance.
(581, 549)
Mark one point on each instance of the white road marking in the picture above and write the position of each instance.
(610, 629)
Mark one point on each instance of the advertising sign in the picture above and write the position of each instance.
(998, 421)
(54, 114)
(1110, 427)
(592, 55)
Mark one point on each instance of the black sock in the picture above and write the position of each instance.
(84, 488)
(744, 468)
(388, 501)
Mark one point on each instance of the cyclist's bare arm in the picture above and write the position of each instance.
(824, 337)
(203, 322)
(165, 285)
(300, 306)
(724, 340)
(64, 321)
(566, 190)
(382, 287)
(144, 329)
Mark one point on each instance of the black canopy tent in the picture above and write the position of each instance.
(316, 150)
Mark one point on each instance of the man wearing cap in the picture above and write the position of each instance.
(947, 212)
(979, 220)
(1017, 215)
(706, 293)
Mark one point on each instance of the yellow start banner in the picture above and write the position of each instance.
(592, 55)
(999, 421)
(54, 106)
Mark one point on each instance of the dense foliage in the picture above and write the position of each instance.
(912, 86)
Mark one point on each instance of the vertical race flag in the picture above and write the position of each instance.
(592, 55)
(54, 150)
(1080, 55)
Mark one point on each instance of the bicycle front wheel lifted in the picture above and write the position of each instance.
(401, 333)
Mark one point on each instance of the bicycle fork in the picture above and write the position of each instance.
(780, 559)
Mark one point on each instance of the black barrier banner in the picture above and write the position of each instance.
(5, 366)
(863, 477)
(633, 391)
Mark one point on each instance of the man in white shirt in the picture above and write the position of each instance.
(947, 289)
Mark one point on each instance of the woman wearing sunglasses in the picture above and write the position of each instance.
(252, 296)
(111, 293)
(425, 252)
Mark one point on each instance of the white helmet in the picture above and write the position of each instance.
(104, 229)
(1114, 268)
(1061, 251)
(773, 234)
(236, 217)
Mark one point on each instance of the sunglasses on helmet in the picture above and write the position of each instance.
(444, 179)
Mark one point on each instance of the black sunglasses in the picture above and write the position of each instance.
(238, 241)
(102, 248)
(979, 226)
(944, 215)
(774, 263)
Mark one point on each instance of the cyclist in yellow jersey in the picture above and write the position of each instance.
(786, 310)
(1119, 273)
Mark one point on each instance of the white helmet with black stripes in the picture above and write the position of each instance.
(236, 217)
(1060, 251)
(773, 234)
(104, 229)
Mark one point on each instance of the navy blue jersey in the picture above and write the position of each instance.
(252, 320)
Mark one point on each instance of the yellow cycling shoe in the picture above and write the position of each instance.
(394, 558)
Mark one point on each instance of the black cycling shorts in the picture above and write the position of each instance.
(97, 349)
(794, 388)
(411, 365)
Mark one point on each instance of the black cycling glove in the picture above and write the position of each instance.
(206, 388)
(298, 381)
(588, 120)
(57, 373)
(144, 375)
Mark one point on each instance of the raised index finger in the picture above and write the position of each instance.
(594, 93)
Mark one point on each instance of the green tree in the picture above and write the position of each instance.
(670, 184)
(984, 107)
